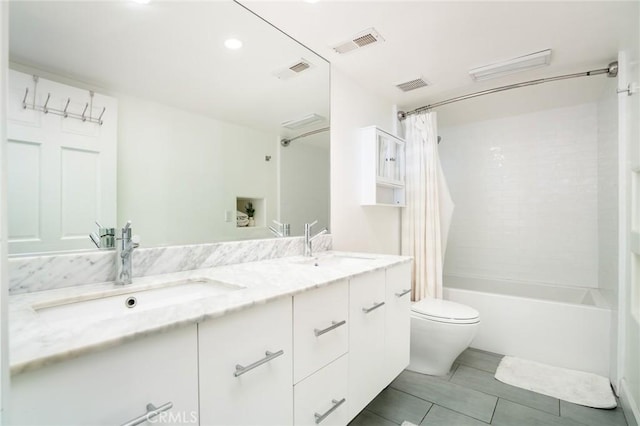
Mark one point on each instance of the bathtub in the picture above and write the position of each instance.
(557, 325)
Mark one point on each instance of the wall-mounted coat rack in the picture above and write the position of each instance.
(65, 112)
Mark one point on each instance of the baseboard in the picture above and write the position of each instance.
(630, 407)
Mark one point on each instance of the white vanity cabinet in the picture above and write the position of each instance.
(114, 386)
(398, 320)
(366, 338)
(382, 168)
(246, 364)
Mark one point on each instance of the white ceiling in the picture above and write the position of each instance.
(441, 40)
(173, 53)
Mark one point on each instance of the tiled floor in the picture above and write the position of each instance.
(470, 396)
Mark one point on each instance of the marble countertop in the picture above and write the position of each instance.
(35, 341)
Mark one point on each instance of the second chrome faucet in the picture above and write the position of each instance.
(308, 239)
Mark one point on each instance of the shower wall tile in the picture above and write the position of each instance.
(37, 273)
(526, 195)
(608, 193)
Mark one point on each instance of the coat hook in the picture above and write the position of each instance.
(85, 110)
(44, 108)
(65, 115)
(101, 114)
(91, 108)
(24, 101)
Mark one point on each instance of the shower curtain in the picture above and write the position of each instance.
(429, 207)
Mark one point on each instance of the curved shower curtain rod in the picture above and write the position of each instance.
(286, 142)
(611, 71)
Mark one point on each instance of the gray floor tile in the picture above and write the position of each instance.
(440, 416)
(511, 414)
(481, 360)
(593, 416)
(485, 382)
(399, 406)
(367, 418)
(449, 395)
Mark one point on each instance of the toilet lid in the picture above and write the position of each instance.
(445, 311)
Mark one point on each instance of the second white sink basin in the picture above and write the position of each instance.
(332, 260)
(124, 300)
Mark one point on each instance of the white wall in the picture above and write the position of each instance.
(4, 293)
(354, 227)
(525, 189)
(178, 173)
(304, 183)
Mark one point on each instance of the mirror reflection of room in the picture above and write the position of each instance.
(147, 126)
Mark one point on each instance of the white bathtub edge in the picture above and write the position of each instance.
(602, 308)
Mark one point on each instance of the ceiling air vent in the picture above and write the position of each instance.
(412, 85)
(294, 69)
(365, 38)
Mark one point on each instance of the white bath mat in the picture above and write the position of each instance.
(406, 423)
(569, 385)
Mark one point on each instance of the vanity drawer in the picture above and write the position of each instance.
(245, 361)
(322, 397)
(114, 386)
(320, 328)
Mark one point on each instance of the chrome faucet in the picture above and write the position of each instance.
(283, 230)
(124, 246)
(308, 238)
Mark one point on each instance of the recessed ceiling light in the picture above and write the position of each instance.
(233, 43)
(141, 1)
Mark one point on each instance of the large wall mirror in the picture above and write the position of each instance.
(191, 129)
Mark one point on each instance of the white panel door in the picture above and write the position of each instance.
(61, 173)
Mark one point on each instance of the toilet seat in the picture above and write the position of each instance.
(444, 311)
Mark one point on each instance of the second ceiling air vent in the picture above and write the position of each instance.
(414, 84)
(294, 69)
(365, 38)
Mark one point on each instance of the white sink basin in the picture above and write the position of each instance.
(332, 260)
(125, 301)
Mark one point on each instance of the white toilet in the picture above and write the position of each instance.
(440, 331)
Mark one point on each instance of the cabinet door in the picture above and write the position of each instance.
(320, 328)
(390, 159)
(322, 397)
(246, 367)
(398, 320)
(113, 386)
(366, 339)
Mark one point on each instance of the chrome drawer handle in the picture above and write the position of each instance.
(333, 326)
(373, 308)
(240, 370)
(152, 411)
(336, 404)
(403, 292)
